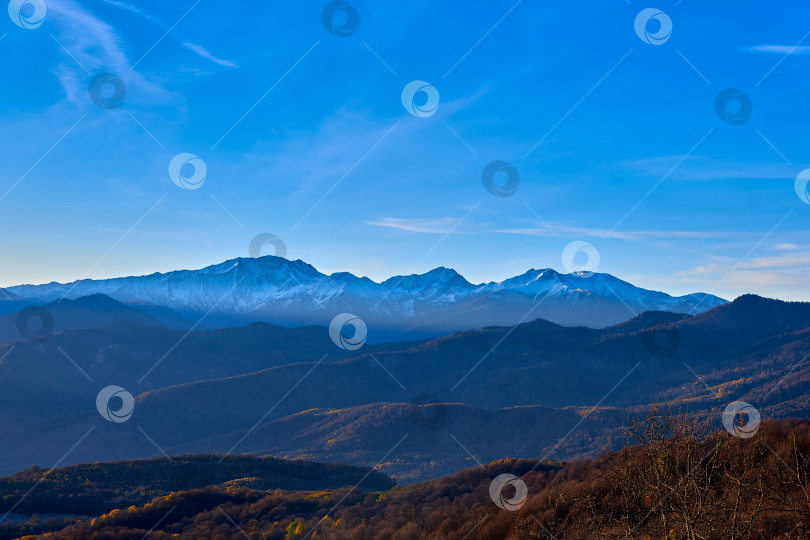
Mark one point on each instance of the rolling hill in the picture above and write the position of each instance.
(692, 480)
(292, 392)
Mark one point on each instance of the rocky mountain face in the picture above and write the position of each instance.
(293, 293)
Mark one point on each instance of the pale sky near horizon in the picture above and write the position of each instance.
(616, 137)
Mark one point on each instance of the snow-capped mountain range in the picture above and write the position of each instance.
(291, 293)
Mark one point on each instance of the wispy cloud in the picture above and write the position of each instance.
(777, 49)
(703, 168)
(622, 235)
(443, 224)
(193, 47)
(780, 261)
(782, 276)
(432, 226)
(316, 157)
(93, 42)
(202, 51)
(132, 8)
(91, 45)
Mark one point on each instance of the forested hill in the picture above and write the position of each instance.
(93, 489)
(681, 479)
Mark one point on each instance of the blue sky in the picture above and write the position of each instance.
(304, 135)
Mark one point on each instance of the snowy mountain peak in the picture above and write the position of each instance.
(438, 277)
(282, 291)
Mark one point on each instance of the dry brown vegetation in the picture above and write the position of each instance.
(680, 478)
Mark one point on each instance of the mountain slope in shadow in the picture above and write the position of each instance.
(291, 392)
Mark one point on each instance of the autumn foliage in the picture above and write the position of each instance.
(679, 478)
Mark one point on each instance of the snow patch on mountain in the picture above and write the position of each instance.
(273, 288)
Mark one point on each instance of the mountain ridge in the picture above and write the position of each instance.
(292, 293)
(314, 400)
